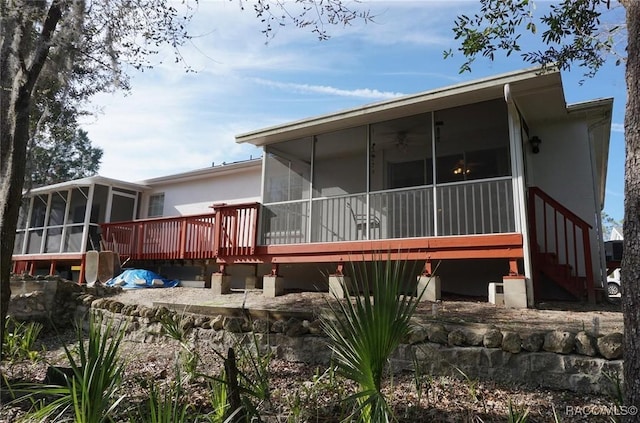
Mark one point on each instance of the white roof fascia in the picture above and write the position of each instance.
(477, 90)
(85, 182)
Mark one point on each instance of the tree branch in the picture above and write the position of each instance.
(43, 44)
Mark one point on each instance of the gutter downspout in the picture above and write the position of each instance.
(519, 187)
(598, 207)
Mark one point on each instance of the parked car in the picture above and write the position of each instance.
(613, 284)
(613, 255)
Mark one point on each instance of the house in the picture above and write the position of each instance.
(485, 184)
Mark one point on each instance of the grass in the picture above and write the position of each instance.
(19, 339)
(165, 406)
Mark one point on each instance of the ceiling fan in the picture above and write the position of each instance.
(402, 141)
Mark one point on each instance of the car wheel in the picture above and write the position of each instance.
(613, 289)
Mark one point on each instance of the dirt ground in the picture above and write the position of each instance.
(602, 318)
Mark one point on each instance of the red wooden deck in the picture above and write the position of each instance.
(230, 237)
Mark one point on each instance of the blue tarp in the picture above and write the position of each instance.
(140, 278)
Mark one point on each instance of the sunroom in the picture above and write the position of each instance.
(58, 223)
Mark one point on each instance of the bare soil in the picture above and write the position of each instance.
(455, 310)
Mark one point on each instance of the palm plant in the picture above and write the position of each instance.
(188, 355)
(95, 378)
(364, 331)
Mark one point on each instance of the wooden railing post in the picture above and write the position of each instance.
(182, 246)
(217, 240)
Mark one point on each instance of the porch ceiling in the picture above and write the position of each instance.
(539, 97)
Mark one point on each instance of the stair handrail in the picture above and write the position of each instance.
(558, 206)
(576, 220)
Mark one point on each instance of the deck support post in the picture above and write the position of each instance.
(427, 269)
(429, 288)
(518, 290)
(340, 286)
(220, 281)
(515, 291)
(513, 267)
(83, 267)
(273, 284)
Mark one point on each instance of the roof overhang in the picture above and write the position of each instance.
(529, 84)
(205, 173)
(85, 182)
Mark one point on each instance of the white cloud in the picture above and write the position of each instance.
(366, 93)
(617, 127)
(174, 121)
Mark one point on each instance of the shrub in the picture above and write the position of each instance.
(19, 339)
(364, 331)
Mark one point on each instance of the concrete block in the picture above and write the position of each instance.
(515, 291)
(273, 286)
(252, 282)
(430, 287)
(496, 293)
(220, 284)
(192, 284)
(337, 285)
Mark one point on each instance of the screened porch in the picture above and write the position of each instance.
(431, 174)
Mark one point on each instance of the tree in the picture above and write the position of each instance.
(608, 225)
(82, 47)
(85, 47)
(63, 158)
(58, 149)
(575, 34)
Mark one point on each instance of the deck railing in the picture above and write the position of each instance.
(173, 238)
(236, 229)
(561, 238)
(463, 208)
(478, 207)
(231, 230)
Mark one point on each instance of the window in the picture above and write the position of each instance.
(156, 205)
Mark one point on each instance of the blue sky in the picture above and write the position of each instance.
(173, 121)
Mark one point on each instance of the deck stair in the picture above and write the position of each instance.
(561, 246)
(562, 275)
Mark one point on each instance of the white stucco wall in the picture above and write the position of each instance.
(563, 169)
(195, 196)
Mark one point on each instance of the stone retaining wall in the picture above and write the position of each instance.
(579, 362)
(556, 360)
(49, 300)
